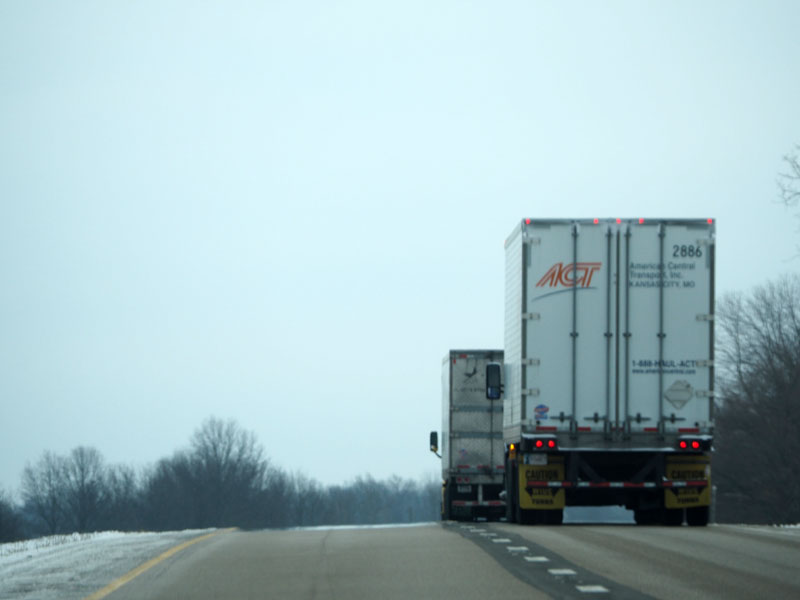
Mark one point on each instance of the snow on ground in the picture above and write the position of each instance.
(75, 566)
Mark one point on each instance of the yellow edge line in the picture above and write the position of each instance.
(118, 583)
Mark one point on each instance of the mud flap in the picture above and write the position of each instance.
(542, 498)
(693, 469)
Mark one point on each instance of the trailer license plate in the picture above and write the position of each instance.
(464, 489)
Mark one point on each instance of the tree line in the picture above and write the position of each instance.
(222, 480)
(756, 464)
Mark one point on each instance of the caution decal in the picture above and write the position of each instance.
(692, 479)
(541, 496)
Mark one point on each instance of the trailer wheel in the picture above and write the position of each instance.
(525, 516)
(511, 516)
(673, 517)
(650, 516)
(446, 502)
(697, 516)
(555, 517)
(512, 503)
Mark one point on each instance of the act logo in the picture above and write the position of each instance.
(570, 275)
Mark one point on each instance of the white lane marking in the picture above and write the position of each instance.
(561, 572)
(489, 534)
(501, 540)
(537, 559)
(592, 589)
(517, 548)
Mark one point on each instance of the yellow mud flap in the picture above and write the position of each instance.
(541, 496)
(688, 482)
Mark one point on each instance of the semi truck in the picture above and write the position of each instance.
(472, 452)
(607, 381)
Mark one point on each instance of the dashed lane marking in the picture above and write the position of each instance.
(558, 572)
(532, 563)
(537, 559)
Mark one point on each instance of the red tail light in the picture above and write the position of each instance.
(695, 444)
(543, 443)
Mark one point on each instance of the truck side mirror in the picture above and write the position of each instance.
(434, 442)
(494, 381)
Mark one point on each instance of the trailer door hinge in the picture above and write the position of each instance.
(531, 392)
(531, 316)
(704, 393)
(531, 362)
(704, 363)
(705, 317)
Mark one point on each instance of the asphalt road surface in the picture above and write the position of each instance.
(481, 561)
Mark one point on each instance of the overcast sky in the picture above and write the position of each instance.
(285, 213)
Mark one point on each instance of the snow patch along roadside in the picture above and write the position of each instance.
(75, 566)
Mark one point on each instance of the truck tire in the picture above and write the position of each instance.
(525, 516)
(650, 516)
(673, 517)
(697, 516)
(511, 516)
(548, 517)
(554, 517)
(446, 513)
(511, 492)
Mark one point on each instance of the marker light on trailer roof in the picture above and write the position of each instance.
(641, 221)
(619, 221)
(596, 221)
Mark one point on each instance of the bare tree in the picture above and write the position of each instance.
(277, 498)
(170, 497)
(122, 508)
(84, 487)
(43, 491)
(10, 520)
(789, 181)
(758, 447)
(230, 468)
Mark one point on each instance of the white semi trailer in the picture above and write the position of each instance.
(608, 369)
(473, 456)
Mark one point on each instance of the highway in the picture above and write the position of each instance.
(480, 561)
